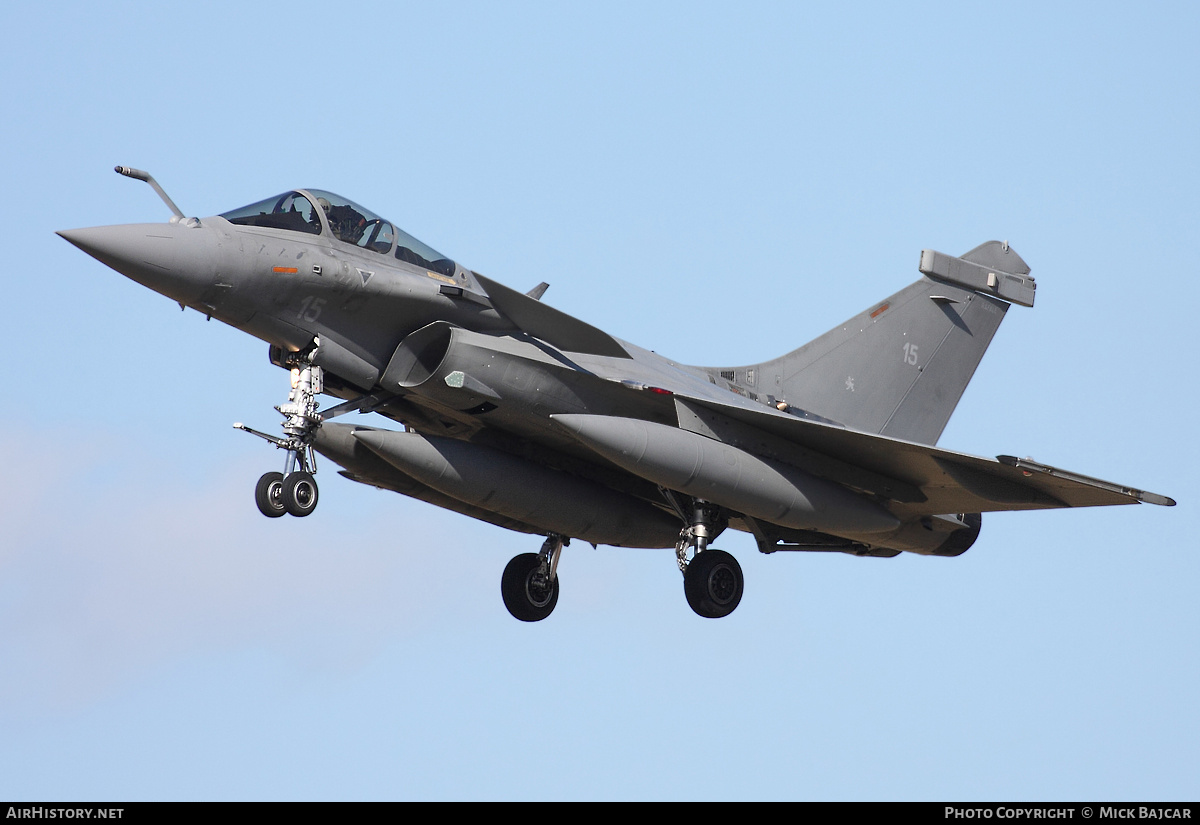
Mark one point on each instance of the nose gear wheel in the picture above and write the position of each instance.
(299, 494)
(268, 495)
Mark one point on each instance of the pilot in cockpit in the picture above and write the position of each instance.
(346, 222)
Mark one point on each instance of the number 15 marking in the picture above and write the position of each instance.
(310, 309)
(910, 353)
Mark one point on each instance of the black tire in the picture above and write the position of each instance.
(523, 598)
(713, 584)
(268, 495)
(300, 494)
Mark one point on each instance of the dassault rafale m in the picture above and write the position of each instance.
(525, 417)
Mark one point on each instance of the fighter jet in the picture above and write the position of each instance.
(520, 415)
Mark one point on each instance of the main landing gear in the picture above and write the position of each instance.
(530, 581)
(712, 580)
(294, 490)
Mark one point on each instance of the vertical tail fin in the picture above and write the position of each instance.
(900, 367)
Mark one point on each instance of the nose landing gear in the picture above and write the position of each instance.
(294, 490)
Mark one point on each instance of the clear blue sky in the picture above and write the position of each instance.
(720, 183)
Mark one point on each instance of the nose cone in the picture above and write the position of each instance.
(178, 261)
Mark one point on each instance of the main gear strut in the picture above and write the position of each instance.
(712, 580)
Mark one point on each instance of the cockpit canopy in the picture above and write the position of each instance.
(343, 219)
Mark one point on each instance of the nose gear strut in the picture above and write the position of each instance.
(294, 490)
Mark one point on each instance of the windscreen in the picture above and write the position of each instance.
(291, 211)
